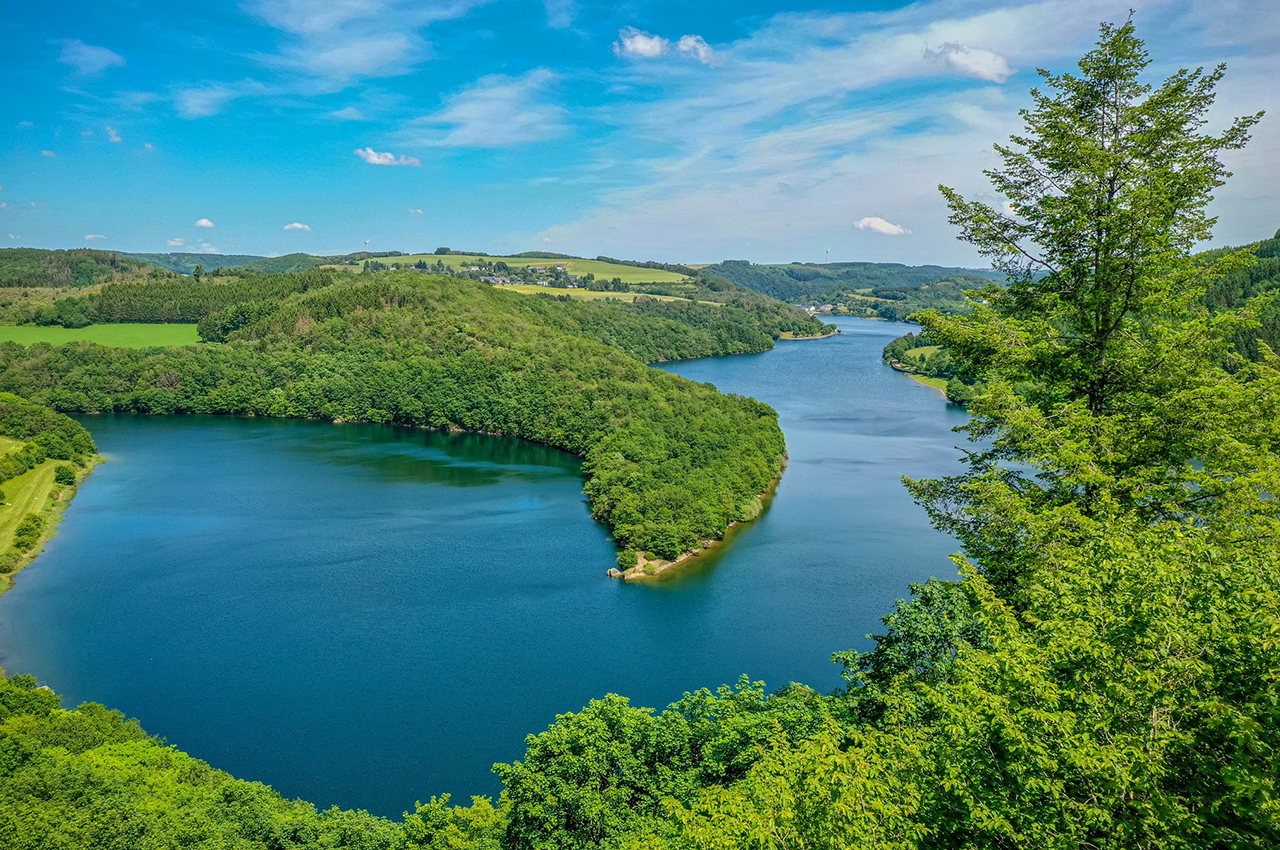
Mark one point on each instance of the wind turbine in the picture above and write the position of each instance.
(828, 259)
(366, 244)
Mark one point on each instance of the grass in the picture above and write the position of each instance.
(585, 294)
(606, 271)
(117, 335)
(939, 384)
(32, 492)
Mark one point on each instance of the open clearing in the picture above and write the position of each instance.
(117, 335)
(586, 294)
(602, 270)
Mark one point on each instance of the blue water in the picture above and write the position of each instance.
(365, 616)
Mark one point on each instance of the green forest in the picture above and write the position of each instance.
(669, 464)
(1105, 674)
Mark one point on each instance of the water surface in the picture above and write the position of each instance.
(365, 616)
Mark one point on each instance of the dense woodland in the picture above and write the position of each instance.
(848, 283)
(1105, 675)
(78, 267)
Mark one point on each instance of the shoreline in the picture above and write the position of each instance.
(646, 569)
(828, 335)
(53, 511)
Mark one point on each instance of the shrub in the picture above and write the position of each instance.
(28, 532)
(64, 475)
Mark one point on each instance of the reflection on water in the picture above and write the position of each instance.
(367, 616)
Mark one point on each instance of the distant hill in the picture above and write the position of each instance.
(186, 263)
(78, 267)
(797, 282)
(287, 263)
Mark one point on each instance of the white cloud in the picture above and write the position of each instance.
(84, 134)
(206, 248)
(297, 225)
(372, 157)
(972, 61)
(14, 236)
(91, 236)
(878, 225)
(112, 135)
(493, 112)
(4, 205)
(148, 146)
(176, 242)
(634, 42)
(88, 59)
(638, 44)
(347, 113)
(414, 211)
(203, 222)
(560, 13)
(697, 47)
(48, 153)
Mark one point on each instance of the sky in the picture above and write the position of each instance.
(685, 131)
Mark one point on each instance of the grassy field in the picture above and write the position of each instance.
(939, 384)
(120, 336)
(606, 271)
(584, 294)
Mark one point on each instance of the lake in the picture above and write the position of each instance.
(366, 616)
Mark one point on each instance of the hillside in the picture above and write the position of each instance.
(669, 464)
(77, 267)
(185, 263)
(805, 282)
(600, 269)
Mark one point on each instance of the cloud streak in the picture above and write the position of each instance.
(373, 157)
(297, 225)
(496, 111)
(88, 59)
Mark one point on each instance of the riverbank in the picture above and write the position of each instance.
(648, 567)
(35, 492)
(791, 335)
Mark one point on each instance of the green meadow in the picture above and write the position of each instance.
(585, 294)
(606, 271)
(116, 335)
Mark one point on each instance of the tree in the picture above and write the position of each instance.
(1104, 374)
(442, 250)
(64, 475)
(197, 272)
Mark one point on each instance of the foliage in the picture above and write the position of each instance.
(90, 779)
(805, 282)
(28, 532)
(669, 463)
(78, 267)
(1106, 674)
(64, 474)
(185, 263)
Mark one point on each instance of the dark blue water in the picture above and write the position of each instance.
(367, 616)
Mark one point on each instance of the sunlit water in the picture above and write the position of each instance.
(367, 616)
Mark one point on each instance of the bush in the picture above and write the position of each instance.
(64, 475)
(28, 532)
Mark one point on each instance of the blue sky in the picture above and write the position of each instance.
(683, 131)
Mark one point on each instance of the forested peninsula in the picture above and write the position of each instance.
(669, 464)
